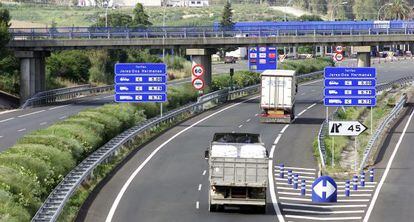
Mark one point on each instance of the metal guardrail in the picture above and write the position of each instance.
(390, 118)
(21, 34)
(53, 205)
(62, 90)
(65, 94)
(324, 126)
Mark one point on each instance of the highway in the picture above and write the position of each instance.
(166, 179)
(395, 198)
(17, 123)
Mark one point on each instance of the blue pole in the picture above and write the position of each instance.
(303, 188)
(355, 182)
(362, 179)
(347, 190)
(295, 181)
(371, 175)
(289, 180)
(282, 170)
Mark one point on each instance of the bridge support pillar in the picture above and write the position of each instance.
(363, 55)
(202, 57)
(32, 73)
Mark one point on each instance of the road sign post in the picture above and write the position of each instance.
(324, 190)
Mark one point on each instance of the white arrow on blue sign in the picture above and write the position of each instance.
(324, 190)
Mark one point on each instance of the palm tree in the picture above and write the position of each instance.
(397, 10)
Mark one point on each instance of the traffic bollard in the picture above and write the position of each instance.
(371, 175)
(347, 190)
(355, 182)
(303, 188)
(295, 181)
(282, 170)
(289, 180)
(362, 179)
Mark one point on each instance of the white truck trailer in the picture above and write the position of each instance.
(238, 171)
(278, 91)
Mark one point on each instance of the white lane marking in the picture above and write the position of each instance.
(62, 117)
(241, 126)
(233, 131)
(294, 198)
(298, 172)
(284, 129)
(272, 185)
(1, 136)
(297, 168)
(9, 111)
(300, 114)
(58, 107)
(248, 120)
(300, 176)
(21, 130)
(272, 151)
(199, 186)
(302, 94)
(204, 172)
(5, 120)
(308, 83)
(324, 206)
(354, 200)
(32, 113)
(310, 107)
(140, 167)
(198, 205)
(44, 123)
(324, 212)
(323, 218)
(256, 114)
(387, 169)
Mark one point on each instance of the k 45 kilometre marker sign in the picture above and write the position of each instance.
(346, 128)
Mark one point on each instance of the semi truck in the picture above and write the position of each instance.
(238, 171)
(278, 91)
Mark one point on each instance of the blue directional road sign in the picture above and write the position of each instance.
(324, 190)
(350, 86)
(262, 58)
(140, 68)
(140, 82)
(153, 97)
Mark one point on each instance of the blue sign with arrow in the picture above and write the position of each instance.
(324, 190)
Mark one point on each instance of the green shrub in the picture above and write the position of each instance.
(62, 143)
(59, 162)
(72, 65)
(24, 188)
(10, 211)
(112, 125)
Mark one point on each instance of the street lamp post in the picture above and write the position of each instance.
(335, 6)
(106, 14)
(379, 10)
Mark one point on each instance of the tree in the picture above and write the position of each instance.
(310, 18)
(140, 17)
(71, 65)
(227, 16)
(115, 19)
(397, 10)
(318, 6)
(365, 9)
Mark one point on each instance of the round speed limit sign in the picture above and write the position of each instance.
(198, 70)
(338, 49)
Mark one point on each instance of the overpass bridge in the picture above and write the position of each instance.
(33, 45)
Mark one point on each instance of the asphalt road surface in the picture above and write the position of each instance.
(166, 180)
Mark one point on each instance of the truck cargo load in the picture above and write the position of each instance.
(278, 91)
(238, 171)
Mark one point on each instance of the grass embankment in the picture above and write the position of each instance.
(385, 103)
(174, 16)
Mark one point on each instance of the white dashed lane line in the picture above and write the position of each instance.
(1, 137)
(241, 126)
(58, 107)
(5, 120)
(248, 120)
(21, 130)
(44, 123)
(29, 114)
(198, 204)
(63, 117)
(199, 186)
(204, 172)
